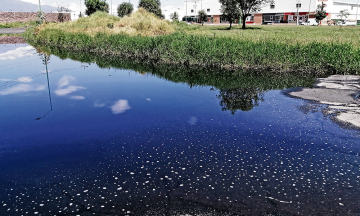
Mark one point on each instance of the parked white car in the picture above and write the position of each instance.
(347, 23)
(310, 22)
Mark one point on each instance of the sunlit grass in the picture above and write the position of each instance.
(17, 24)
(284, 34)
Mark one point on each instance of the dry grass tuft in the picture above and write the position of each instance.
(141, 22)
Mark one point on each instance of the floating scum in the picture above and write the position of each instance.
(198, 172)
(141, 22)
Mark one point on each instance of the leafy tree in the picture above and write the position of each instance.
(230, 10)
(247, 7)
(202, 16)
(152, 6)
(174, 16)
(125, 9)
(61, 8)
(81, 14)
(320, 13)
(96, 5)
(343, 14)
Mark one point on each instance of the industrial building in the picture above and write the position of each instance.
(281, 12)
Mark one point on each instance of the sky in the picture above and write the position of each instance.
(74, 5)
(167, 6)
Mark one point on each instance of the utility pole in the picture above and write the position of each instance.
(111, 7)
(309, 10)
(297, 6)
(357, 11)
(39, 6)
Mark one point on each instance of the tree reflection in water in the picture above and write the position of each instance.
(243, 99)
(238, 90)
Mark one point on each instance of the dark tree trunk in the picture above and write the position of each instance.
(244, 22)
(230, 24)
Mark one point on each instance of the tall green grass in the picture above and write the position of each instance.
(211, 51)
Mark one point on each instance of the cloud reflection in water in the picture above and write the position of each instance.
(64, 82)
(120, 106)
(22, 88)
(17, 53)
(77, 97)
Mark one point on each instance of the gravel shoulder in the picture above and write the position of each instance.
(12, 30)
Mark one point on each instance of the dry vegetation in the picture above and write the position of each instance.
(140, 22)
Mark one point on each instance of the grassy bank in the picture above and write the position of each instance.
(18, 24)
(286, 34)
(275, 49)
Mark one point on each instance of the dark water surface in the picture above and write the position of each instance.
(107, 141)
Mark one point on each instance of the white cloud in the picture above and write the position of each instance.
(148, 99)
(22, 88)
(24, 79)
(78, 97)
(99, 104)
(65, 81)
(192, 120)
(16, 53)
(31, 1)
(120, 106)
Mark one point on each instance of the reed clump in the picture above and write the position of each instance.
(141, 22)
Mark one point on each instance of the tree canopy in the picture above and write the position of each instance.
(96, 5)
(202, 16)
(230, 10)
(320, 13)
(124, 9)
(152, 6)
(174, 16)
(247, 7)
(343, 14)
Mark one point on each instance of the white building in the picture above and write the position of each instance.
(282, 11)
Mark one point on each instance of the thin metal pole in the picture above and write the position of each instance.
(39, 6)
(111, 7)
(309, 10)
(297, 6)
(357, 11)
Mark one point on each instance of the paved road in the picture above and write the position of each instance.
(12, 30)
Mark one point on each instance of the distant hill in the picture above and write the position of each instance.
(17, 5)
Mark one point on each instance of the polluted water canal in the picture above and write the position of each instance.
(93, 135)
